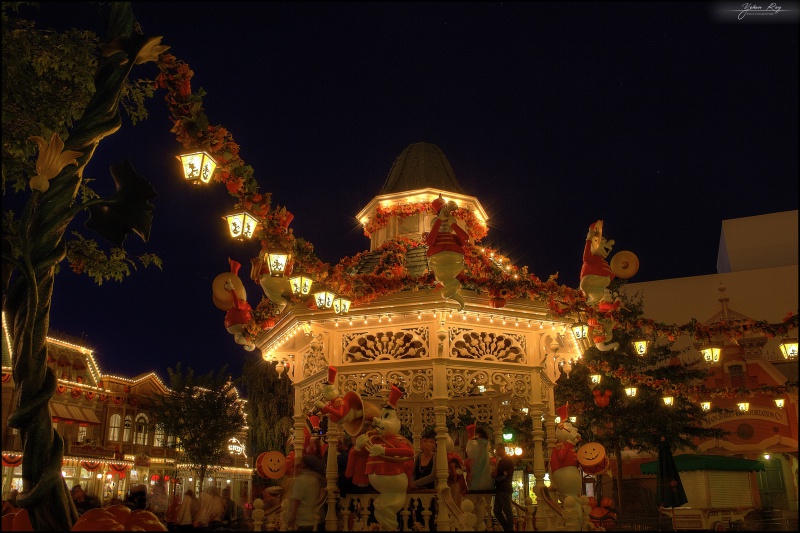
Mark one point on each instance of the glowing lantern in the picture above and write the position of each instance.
(277, 261)
(341, 305)
(301, 284)
(706, 406)
(779, 402)
(596, 378)
(580, 330)
(630, 391)
(789, 349)
(640, 346)
(242, 225)
(324, 298)
(710, 353)
(198, 167)
(668, 400)
(744, 406)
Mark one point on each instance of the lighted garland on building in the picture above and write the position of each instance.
(486, 271)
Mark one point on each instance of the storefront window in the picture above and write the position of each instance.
(113, 427)
(142, 424)
(159, 437)
(126, 436)
(81, 434)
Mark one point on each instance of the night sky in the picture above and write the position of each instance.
(659, 118)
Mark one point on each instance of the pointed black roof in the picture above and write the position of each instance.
(420, 166)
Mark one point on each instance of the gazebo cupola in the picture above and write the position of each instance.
(418, 176)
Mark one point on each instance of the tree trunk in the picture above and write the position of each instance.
(42, 227)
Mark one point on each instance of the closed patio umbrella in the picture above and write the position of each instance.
(670, 489)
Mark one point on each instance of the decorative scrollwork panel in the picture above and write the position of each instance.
(486, 346)
(410, 343)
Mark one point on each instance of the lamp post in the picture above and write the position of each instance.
(198, 167)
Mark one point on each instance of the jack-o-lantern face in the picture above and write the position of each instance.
(271, 465)
(591, 453)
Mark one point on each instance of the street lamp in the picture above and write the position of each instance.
(789, 348)
(198, 167)
(242, 225)
(640, 346)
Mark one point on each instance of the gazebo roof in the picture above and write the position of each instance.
(421, 165)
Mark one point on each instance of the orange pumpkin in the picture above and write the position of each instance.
(118, 518)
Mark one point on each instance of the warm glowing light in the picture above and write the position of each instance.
(301, 284)
(766, 456)
(640, 346)
(277, 260)
(789, 349)
(596, 378)
(779, 402)
(198, 167)
(706, 406)
(341, 305)
(710, 354)
(743, 406)
(630, 391)
(573, 419)
(324, 298)
(580, 330)
(242, 225)
(668, 400)
(508, 436)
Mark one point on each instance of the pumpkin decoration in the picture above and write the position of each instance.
(602, 399)
(497, 298)
(118, 518)
(17, 520)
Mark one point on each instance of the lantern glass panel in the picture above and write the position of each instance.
(706, 406)
(640, 346)
(779, 402)
(711, 354)
(667, 400)
(301, 285)
(744, 407)
(198, 167)
(789, 349)
(324, 299)
(277, 261)
(580, 330)
(630, 391)
(341, 305)
(596, 378)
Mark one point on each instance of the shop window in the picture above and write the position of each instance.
(158, 439)
(81, 434)
(113, 427)
(126, 435)
(140, 434)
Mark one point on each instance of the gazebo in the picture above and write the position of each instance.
(484, 362)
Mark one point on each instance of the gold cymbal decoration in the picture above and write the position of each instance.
(624, 264)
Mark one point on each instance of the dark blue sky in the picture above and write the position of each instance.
(655, 117)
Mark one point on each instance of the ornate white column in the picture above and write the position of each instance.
(332, 476)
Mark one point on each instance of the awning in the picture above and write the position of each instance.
(688, 461)
(73, 412)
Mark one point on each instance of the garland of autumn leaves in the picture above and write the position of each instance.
(483, 272)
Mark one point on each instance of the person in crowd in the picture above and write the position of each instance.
(136, 498)
(212, 507)
(187, 511)
(503, 474)
(305, 494)
(171, 516)
(479, 453)
(82, 502)
(342, 454)
(425, 463)
(230, 515)
(272, 497)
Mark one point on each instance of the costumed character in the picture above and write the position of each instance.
(348, 410)
(386, 465)
(273, 286)
(564, 471)
(479, 458)
(445, 253)
(596, 276)
(228, 294)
